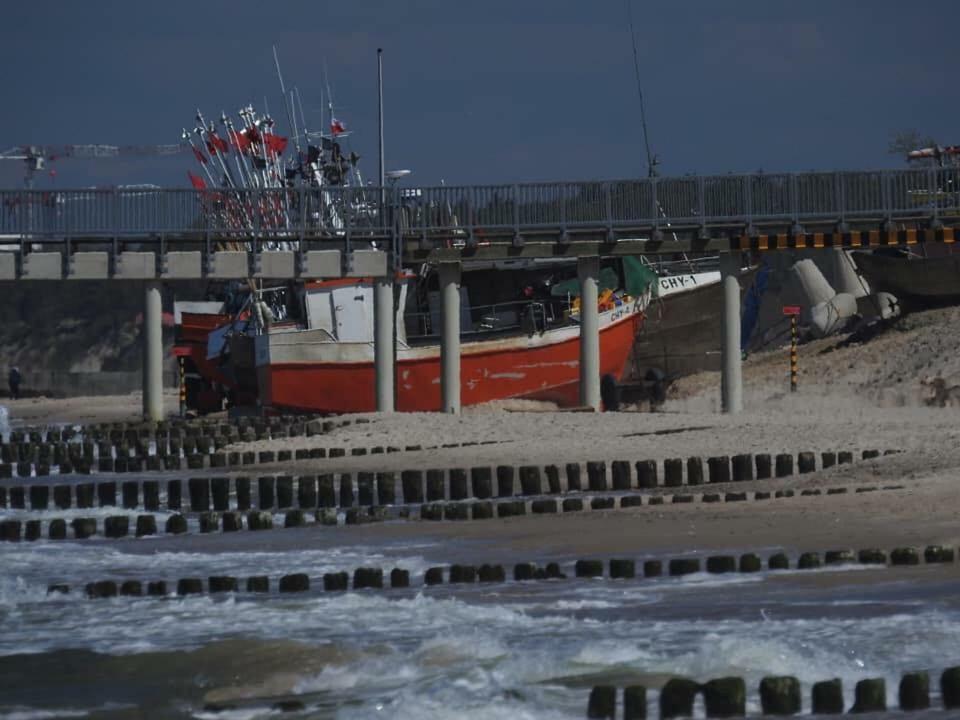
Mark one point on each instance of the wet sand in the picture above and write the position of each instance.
(83, 410)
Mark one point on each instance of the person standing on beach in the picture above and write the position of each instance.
(13, 379)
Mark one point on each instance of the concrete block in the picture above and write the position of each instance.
(8, 266)
(136, 266)
(276, 264)
(183, 265)
(89, 266)
(322, 264)
(367, 263)
(43, 266)
(229, 265)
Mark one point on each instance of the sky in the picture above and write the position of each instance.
(498, 91)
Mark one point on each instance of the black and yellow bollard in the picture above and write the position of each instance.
(793, 311)
(183, 387)
(794, 367)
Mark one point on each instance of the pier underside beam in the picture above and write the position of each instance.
(383, 343)
(152, 353)
(450, 338)
(588, 271)
(731, 381)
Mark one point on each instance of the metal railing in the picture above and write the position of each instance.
(328, 213)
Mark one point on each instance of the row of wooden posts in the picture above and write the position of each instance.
(779, 696)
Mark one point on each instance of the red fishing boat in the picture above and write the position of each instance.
(526, 349)
(309, 346)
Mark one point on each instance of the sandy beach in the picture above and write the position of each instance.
(853, 396)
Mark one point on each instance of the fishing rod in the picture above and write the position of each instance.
(287, 105)
(214, 148)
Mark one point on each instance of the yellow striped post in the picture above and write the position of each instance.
(794, 312)
(183, 388)
(794, 367)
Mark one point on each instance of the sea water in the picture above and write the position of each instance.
(513, 650)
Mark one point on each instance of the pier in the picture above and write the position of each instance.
(170, 235)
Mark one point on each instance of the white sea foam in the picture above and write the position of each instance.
(477, 651)
(26, 713)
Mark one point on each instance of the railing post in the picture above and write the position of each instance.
(838, 194)
(935, 194)
(516, 209)
(654, 199)
(748, 199)
(396, 232)
(885, 197)
(424, 212)
(471, 204)
(608, 210)
(842, 227)
(701, 200)
(303, 216)
(794, 199)
(562, 199)
(347, 224)
(702, 205)
(115, 194)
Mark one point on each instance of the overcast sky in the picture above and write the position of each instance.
(490, 91)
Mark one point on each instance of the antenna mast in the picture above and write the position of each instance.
(652, 161)
(380, 117)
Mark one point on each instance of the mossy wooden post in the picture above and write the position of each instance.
(870, 695)
(780, 695)
(725, 697)
(914, 691)
(950, 687)
(677, 697)
(827, 697)
(634, 702)
(602, 702)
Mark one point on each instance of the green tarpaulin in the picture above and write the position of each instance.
(637, 276)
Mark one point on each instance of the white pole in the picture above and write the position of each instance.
(588, 270)
(731, 379)
(450, 338)
(383, 320)
(152, 353)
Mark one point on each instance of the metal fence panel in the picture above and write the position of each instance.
(632, 202)
(862, 194)
(816, 195)
(724, 198)
(770, 196)
(678, 199)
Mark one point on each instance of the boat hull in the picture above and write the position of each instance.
(916, 282)
(297, 372)
(193, 331)
(682, 333)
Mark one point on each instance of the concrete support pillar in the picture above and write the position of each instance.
(383, 322)
(731, 381)
(152, 353)
(588, 270)
(450, 338)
